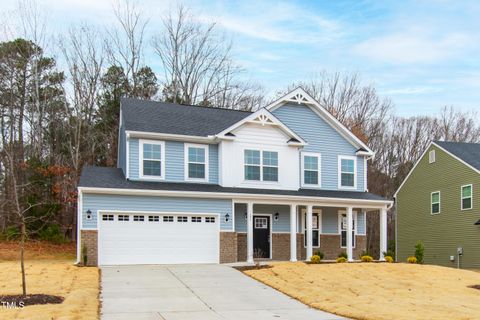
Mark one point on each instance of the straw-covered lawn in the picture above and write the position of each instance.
(79, 287)
(378, 290)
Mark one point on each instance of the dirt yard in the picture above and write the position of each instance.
(48, 272)
(378, 291)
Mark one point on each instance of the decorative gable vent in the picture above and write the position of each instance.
(431, 156)
(298, 98)
(263, 120)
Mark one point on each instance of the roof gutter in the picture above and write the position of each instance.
(169, 136)
(278, 198)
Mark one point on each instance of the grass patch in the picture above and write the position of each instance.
(79, 287)
(37, 250)
(378, 291)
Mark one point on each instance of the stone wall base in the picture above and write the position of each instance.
(89, 242)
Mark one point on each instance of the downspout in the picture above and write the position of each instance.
(79, 221)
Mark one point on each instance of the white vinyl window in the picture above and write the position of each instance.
(311, 163)
(467, 195)
(138, 218)
(196, 162)
(261, 223)
(152, 159)
(107, 217)
(210, 219)
(196, 219)
(182, 219)
(261, 165)
(435, 202)
(153, 218)
(316, 217)
(122, 217)
(347, 172)
(167, 218)
(431, 156)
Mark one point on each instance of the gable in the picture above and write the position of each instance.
(446, 170)
(319, 135)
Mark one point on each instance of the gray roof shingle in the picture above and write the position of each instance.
(468, 152)
(102, 177)
(171, 118)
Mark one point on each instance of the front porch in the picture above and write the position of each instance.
(295, 231)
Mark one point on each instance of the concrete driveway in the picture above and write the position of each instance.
(199, 292)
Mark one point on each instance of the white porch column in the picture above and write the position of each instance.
(383, 233)
(250, 232)
(293, 232)
(309, 232)
(349, 233)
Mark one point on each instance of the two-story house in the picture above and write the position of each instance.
(438, 203)
(207, 185)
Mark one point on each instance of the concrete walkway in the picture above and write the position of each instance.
(199, 292)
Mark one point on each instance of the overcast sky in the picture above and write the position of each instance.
(421, 54)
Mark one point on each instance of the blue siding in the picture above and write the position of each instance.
(213, 165)
(95, 202)
(281, 225)
(322, 138)
(330, 220)
(133, 159)
(174, 161)
(361, 221)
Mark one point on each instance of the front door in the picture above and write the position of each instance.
(261, 236)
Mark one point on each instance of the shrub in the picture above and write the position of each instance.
(84, 254)
(419, 249)
(52, 233)
(320, 254)
(366, 258)
(343, 254)
(389, 253)
(315, 259)
(412, 259)
(341, 260)
(388, 259)
(11, 233)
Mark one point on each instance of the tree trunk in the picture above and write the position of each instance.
(22, 259)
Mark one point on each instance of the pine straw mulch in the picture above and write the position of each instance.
(30, 299)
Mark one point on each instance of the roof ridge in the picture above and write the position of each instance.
(456, 142)
(185, 105)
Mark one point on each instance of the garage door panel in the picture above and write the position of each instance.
(152, 242)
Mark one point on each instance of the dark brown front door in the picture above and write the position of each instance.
(261, 236)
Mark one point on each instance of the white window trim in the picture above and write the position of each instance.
(261, 166)
(340, 158)
(439, 203)
(462, 197)
(319, 169)
(141, 142)
(355, 224)
(432, 157)
(186, 162)
(303, 217)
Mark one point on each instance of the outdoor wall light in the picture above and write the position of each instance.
(227, 217)
(89, 214)
(276, 216)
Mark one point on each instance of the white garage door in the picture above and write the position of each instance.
(125, 238)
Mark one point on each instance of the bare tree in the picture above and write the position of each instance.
(125, 43)
(198, 66)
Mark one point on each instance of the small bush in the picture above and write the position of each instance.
(412, 259)
(419, 250)
(84, 254)
(11, 233)
(52, 233)
(315, 259)
(343, 254)
(320, 254)
(388, 259)
(341, 260)
(366, 258)
(389, 253)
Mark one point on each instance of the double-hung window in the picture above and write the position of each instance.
(152, 155)
(311, 169)
(467, 197)
(347, 172)
(435, 202)
(261, 165)
(196, 162)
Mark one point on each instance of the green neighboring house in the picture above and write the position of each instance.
(439, 204)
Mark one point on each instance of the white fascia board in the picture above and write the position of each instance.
(276, 122)
(309, 100)
(246, 197)
(169, 136)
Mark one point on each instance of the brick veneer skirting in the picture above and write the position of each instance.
(89, 239)
(330, 246)
(228, 247)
